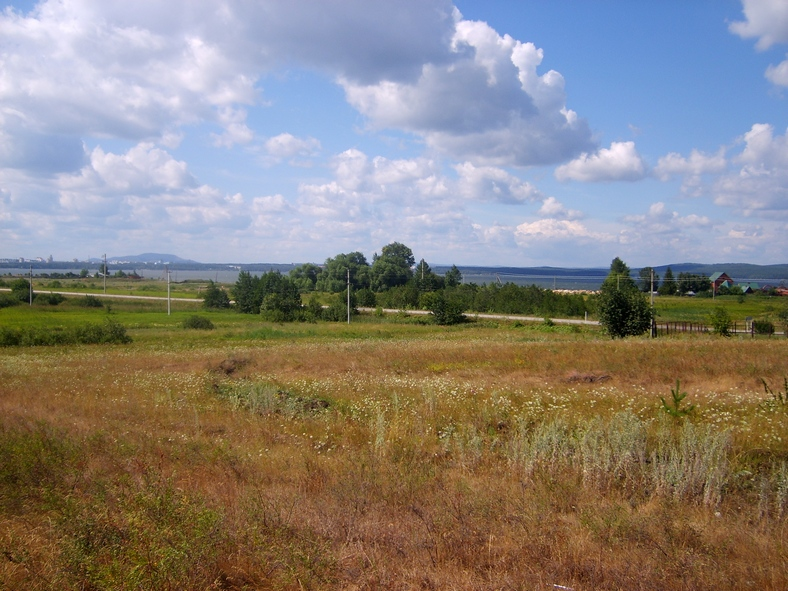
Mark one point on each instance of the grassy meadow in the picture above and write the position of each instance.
(389, 454)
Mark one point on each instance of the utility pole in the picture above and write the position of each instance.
(652, 289)
(653, 331)
(105, 273)
(168, 291)
(31, 285)
(348, 295)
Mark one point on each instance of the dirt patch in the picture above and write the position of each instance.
(587, 378)
(230, 365)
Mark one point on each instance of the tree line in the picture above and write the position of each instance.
(392, 280)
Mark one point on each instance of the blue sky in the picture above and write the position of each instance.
(524, 133)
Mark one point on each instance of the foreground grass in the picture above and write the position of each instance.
(392, 455)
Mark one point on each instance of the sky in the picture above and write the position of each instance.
(480, 132)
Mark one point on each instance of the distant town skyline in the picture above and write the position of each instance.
(528, 133)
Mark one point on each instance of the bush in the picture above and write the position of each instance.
(90, 301)
(109, 332)
(198, 323)
(337, 308)
(721, 321)
(365, 298)
(445, 311)
(20, 289)
(762, 327)
(53, 299)
(624, 313)
(86, 334)
(7, 300)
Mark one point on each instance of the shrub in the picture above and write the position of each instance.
(110, 332)
(624, 313)
(53, 299)
(623, 309)
(337, 308)
(762, 327)
(365, 298)
(7, 300)
(20, 289)
(721, 321)
(198, 322)
(90, 301)
(445, 311)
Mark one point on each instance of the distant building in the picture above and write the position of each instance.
(749, 287)
(719, 280)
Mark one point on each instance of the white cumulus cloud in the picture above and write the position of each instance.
(488, 183)
(765, 19)
(620, 162)
(552, 208)
(286, 146)
(145, 186)
(778, 74)
(758, 186)
(552, 229)
(488, 105)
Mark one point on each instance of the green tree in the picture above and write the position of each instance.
(452, 277)
(305, 276)
(623, 309)
(281, 300)
(215, 297)
(645, 279)
(691, 282)
(668, 286)
(393, 268)
(245, 293)
(425, 279)
(333, 277)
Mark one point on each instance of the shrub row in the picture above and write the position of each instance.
(85, 334)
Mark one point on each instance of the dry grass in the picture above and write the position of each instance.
(473, 459)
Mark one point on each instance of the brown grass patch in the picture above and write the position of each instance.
(430, 462)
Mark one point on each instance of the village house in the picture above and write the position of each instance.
(719, 280)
